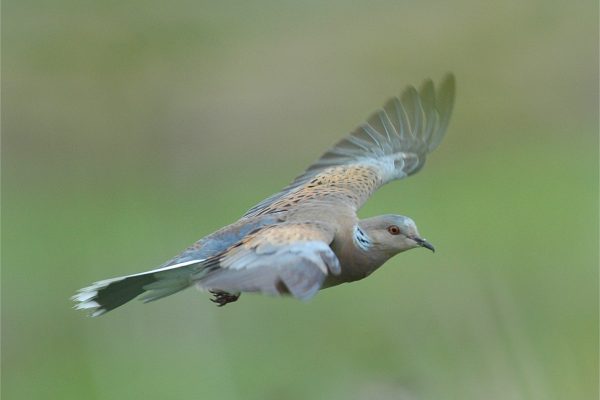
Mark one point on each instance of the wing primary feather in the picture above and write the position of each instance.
(427, 96)
(402, 119)
(373, 134)
(444, 104)
(363, 144)
(409, 105)
(388, 126)
(419, 114)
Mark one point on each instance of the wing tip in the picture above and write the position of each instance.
(447, 91)
(449, 79)
(444, 105)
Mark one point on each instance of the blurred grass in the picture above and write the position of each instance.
(132, 129)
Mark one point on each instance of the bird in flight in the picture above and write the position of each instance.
(307, 237)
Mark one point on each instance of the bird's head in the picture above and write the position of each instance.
(392, 234)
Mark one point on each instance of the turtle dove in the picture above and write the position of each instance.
(307, 237)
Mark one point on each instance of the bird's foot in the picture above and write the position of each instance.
(221, 298)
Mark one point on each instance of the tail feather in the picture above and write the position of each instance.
(163, 288)
(106, 295)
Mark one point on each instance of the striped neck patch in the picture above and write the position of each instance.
(361, 239)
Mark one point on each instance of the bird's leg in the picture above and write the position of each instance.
(222, 298)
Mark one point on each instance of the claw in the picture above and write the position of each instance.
(221, 298)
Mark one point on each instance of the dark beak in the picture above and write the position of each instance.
(424, 243)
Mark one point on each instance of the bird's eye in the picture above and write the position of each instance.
(393, 229)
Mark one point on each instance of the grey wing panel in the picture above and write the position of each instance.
(222, 239)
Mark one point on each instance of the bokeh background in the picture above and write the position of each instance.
(131, 129)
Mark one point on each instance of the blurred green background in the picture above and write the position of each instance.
(131, 129)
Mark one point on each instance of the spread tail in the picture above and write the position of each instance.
(106, 295)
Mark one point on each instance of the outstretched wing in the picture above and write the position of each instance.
(292, 258)
(392, 144)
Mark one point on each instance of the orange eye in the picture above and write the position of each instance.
(393, 229)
